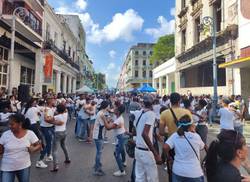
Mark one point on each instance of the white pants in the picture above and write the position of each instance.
(145, 167)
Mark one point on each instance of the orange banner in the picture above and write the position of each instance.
(48, 68)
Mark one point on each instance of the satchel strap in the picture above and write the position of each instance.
(175, 118)
(192, 147)
(139, 119)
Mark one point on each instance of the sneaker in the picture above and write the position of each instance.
(166, 168)
(98, 173)
(54, 169)
(119, 173)
(41, 164)
(125, 164)
(105, 141)
(49, 158)
(68, 161)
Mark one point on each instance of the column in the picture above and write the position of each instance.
(69, 84)
(160, 85)
(58, 82)
(38, 72)
(168, 90)
(154, 84)
(64, 83)
(74, 85)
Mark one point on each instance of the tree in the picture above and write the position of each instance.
(164, 49)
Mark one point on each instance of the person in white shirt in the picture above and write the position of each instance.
(226, 116)
(47, 128)
(32, 113)
(187, 146)
(16, 145)
(145, 154)
(118, 127)
(15, 104)
(238, 122)
(60, 121)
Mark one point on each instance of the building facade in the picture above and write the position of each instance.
(194, 53)
(164, 77)
(243, 61)
(60, 54)
(19, 66)
(138, 69)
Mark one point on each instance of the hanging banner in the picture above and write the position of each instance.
(48, 68)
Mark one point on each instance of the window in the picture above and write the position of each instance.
(144, 53)
(144, 74)
(136, 62)
(69, 51)
(73, 56)
(183, 4)
(136, 73)
(183, 40)
(55, 38)
(4, 54)
(144, 63)
(197, 23)
(136, 53)
(3, 75)
(150, 74)
(217, 15)
(27, 76)
(151, 53)
(64, 46)
(47, 36)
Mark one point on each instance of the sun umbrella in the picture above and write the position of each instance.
(84, 89)
(146, 88)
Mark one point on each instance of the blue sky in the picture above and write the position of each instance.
(113, 26)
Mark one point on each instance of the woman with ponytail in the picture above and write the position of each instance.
(187, 145)
(225, 156)
(16, 145)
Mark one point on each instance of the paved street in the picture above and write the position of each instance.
(82, 156)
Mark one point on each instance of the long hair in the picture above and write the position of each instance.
(224, 148)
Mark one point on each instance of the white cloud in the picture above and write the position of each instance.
(172, 12)
(166, 27)
(81, 4)
(111, 66)
(112, 54)
(121, 27)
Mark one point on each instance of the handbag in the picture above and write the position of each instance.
(130, 145)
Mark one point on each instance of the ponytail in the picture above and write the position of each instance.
(26, 124)
(212, 160)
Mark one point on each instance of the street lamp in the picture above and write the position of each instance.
(210, 21)
(21, 13)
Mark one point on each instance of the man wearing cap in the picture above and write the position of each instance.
(145, 155)
(168, 120)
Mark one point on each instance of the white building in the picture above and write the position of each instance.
(61, 46)
(28, 42)
(243, 63)
(194, 53)
(164, 77)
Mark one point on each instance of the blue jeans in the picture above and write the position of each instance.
(177, 178)
(22, 175)
(239, 129)
(119, 153)
(99, 148)
(48, 133)
(81, 127)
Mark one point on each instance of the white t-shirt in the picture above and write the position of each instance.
(4, 117)
(156, 109)
(98, 127)
(16, 155)
(61, 117)
(226, 119)
(146, 118)
(236, 119)
(185, 160)
(120, 122)
(32, 114)
(48, 112)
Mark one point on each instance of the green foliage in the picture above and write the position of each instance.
(164, 49)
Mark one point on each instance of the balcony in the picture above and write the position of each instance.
(196, 7)
(183, 21)
(51, 46)
(29, 26)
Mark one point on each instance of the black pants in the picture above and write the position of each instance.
(170, 172)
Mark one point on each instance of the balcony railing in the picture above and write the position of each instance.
(30, 20)
(51, 46)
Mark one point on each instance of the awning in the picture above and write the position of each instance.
(238, 63)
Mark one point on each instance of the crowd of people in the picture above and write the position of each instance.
(170, 130)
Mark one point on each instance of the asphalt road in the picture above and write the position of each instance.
(82, 156)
